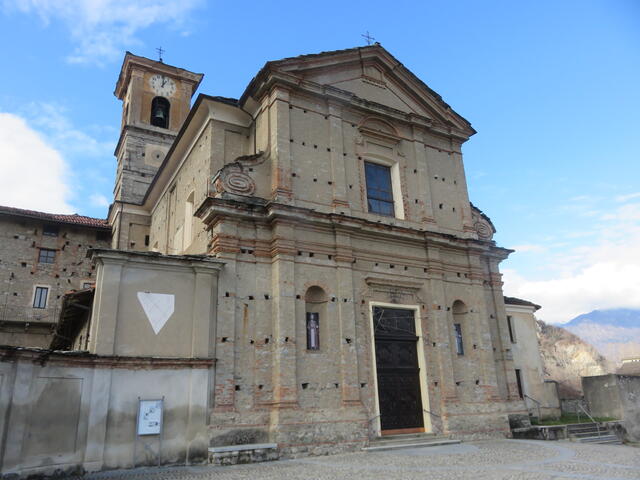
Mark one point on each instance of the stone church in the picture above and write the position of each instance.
(300, 267)
(359, 284)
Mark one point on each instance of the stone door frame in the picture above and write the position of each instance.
(424, 393)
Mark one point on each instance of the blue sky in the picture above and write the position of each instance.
(551, 87)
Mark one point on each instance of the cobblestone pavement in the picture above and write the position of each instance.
(487, 459)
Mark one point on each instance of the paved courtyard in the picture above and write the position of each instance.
(487, 459)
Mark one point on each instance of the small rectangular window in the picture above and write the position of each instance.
(50, 230)
(512, 332)
(102, 236)
(459, 343)
(519, 381)
(47, 256)
(40, 297)
(146, 240)
(313, 331)
(87, 285)
(379, 191)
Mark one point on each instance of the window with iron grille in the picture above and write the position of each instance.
(40, 297)
(47, 256)
(379, 191)
(459, 344)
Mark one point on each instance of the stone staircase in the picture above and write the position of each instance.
(412, 440)
(590, 433)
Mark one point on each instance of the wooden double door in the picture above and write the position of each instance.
(398, 374)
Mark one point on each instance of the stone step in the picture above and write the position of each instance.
(249, 453)
(415, 443)
(600, 439)
(581, 426)
(580, 429)
(401, 438)
(591, 433)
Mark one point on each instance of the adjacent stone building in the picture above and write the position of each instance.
(540, 395)
(42, 256)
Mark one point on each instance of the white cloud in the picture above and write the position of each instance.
(98, 200)
(528, 248)
(625, 198)
(34, 174)
(102, 29)
(51, 119)
(604, 274)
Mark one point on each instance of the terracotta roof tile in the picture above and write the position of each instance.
(74, 219)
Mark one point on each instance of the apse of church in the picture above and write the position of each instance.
(355, 266)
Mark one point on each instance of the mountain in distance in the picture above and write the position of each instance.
(615, 332)
(567, 358)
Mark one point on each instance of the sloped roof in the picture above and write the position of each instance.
(74, 219)
(519, 301)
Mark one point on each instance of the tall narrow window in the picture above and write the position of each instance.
(313, 331)
(40, 297)
(457, 328)
(512, 333)
(519, 381)
(47, 256)
(379, 191)
(188, 221)
(160, 112)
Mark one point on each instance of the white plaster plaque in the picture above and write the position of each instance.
(149, 417)
(158, 307)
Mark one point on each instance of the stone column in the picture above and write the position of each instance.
(338, 171)
(283, 316)
(347, 320)
(423, 180)
(279, 147)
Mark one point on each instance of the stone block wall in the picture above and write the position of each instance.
(21, 239)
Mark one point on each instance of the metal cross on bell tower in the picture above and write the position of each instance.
(160, 51)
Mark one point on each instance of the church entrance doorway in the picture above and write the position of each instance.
(397, 370)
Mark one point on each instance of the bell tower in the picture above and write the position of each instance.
(156, 99)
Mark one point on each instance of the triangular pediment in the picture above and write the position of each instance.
(373, 74)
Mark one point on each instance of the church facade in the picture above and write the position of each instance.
(360, 293)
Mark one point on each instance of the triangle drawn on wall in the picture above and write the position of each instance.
(158, 307)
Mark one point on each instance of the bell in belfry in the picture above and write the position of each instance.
(158, 114)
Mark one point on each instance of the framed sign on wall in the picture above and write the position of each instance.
(150, 417)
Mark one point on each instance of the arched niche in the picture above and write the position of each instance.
(459, 327)
(315, 300)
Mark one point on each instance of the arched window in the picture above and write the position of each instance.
(315, 300)
(160, 112)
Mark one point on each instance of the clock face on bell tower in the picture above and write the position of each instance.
(162, 85)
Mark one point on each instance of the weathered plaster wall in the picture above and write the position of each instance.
(78, 413)
(616, 396)
(121, 326)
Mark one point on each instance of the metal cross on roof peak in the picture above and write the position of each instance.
(368, 38)
(160, 51)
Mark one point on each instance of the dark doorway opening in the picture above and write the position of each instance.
(397, 369)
